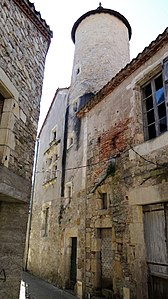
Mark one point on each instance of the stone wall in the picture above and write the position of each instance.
(22, 58)
(23, 53)
(12, 232)
(112, 173)
(44, 249)
(140, 177)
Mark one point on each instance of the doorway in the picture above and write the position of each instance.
(156, 240)
(106, 256)
(73, 266)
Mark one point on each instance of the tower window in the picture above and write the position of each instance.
(54, 135)
(75, 106)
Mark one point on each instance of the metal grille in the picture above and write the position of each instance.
(106, 257)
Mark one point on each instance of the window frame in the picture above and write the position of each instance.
(70, 140)
(46, 221)
(155, 107)
(2, 101)
(50, 164)
(68, 190)
(11, 111)
(104, 199)
(45, 224)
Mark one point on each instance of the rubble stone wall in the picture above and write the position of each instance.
(22, 59)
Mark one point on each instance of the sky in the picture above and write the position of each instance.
(148, 18)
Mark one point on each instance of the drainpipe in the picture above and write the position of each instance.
(64, 150)
(31, 205)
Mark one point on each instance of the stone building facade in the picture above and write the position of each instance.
(25, 38)
(102, 228)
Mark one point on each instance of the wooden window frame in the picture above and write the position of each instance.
(155, 107)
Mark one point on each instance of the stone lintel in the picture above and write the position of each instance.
(13, 187)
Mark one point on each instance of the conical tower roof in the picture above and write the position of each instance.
(100, 10)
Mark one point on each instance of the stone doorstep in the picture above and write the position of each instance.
(106, 293)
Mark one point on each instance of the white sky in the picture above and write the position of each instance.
(148, 18)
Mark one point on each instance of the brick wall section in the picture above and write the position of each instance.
(138, 180)
(105, 146)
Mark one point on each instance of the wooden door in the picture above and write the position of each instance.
(155, 230)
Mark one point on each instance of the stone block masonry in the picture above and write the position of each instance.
(25, 39)
(22, 59)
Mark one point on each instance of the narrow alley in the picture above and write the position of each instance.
(35, 288)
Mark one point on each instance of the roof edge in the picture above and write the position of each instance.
(99, 10)
(54, 98)
(34, 16)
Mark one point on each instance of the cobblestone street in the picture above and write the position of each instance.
(39, 289)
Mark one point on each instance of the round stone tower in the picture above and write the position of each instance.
(101, 40)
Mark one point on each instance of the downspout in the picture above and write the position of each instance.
(31, 205)
(64, 151)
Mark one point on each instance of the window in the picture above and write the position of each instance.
(104, 200)
(53, 136)
(1, 105)
(9, 113)
(50, 167)
(78, 71)
(46, 220)
(68, 190)
(70, 140)
(75, 106)
(154, 108)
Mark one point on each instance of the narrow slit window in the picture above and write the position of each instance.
(46, 221)
(104, 200)
(2, 99)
